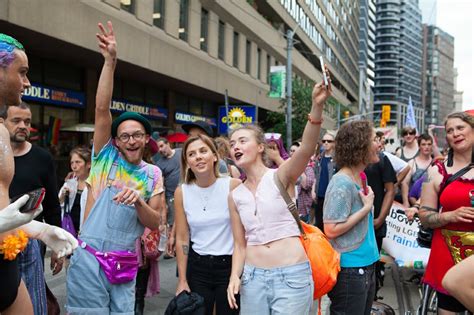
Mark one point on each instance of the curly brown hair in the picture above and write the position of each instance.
(353, 141)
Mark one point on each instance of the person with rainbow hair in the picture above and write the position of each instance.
(14, 297)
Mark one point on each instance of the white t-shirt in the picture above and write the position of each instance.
(208, 216)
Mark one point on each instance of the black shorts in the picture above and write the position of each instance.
(10, 275)
(449, 303)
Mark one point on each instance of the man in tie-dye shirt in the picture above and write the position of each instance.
(124, 198)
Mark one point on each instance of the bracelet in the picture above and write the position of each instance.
(416, 206)
(314, 122)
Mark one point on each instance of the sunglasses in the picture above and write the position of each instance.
(411, 133)
(327, 141)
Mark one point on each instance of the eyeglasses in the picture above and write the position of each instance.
(125, 137)
(411, 133)
(327, 141)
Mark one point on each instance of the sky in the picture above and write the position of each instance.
(456, 17)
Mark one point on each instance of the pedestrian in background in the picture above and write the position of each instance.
(349, 219)
(324, 169)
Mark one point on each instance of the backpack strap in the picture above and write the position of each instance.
(289, 203)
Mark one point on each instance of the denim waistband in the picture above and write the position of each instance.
(297, 268)
(369, 267)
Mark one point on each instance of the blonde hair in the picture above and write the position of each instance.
(187, 175)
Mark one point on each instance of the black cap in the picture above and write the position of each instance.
(199, 124)
(131, 116)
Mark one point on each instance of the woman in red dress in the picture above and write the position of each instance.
(453, 238)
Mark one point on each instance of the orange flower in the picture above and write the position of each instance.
(13, 245)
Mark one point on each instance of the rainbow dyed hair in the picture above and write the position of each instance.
(7, 49)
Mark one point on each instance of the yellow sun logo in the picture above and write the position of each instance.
(237, 113)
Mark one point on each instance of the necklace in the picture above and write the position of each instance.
(205, 198)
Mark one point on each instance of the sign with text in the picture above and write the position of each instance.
(400, 241)
(150, 112)
(44, 94)
(277, 82)
(237, 117)
(184, 118)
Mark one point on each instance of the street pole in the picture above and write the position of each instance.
(290, 33)
(227, 110)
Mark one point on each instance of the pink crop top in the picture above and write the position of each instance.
(266, 217)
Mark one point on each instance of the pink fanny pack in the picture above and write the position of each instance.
(119, 266)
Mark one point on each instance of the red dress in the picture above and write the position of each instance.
(461, 245)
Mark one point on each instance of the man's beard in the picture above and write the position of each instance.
(17, 139)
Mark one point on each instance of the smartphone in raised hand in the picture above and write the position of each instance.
(323, 70)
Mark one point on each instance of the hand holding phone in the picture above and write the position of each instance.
(36, 197)
(323, 70)
(363, 178)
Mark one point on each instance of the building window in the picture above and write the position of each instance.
(248, 56)
(259, 62)
(235, 62)
(204, 29)
(183, 19)
(221, 47)
(268, 68)
(159, 13)
(127, 5)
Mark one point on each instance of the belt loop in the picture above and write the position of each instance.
(252, 272)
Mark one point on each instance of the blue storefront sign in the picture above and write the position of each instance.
(184, 118)
(44, 94)
(237, 117)
(150, 112)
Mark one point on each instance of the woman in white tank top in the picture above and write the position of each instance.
(204, 242)
(270, 268)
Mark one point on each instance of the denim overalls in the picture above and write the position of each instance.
(110, 226)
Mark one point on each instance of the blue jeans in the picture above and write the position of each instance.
(284, 290)
(32, 273)
(354, 291)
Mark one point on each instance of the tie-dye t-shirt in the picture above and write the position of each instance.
(127, 175)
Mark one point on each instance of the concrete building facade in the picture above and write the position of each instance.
(438, 88)
(176, 57)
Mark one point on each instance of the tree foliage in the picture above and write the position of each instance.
(301, 106)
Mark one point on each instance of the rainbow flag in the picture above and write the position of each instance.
(53, 130)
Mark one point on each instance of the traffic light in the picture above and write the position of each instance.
(346, 114)
(386, 113)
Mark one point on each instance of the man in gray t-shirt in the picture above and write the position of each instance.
(169, 161)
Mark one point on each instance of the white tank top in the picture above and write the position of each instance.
(207, 213)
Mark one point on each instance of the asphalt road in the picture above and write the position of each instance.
(400, 290)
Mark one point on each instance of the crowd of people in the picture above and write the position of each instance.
(216, 204)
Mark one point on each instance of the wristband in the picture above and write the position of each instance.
(313, 121)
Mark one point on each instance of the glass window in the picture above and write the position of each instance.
(221, 47)
(259, 62)
(35, 69)
(159, 13)
(195, 106)
(204, 29)
(182, 102)
(128, 5)
(183, 19)
(62, 75)
(133, 92)
(247, 57)
(154, 96)
(235, 62)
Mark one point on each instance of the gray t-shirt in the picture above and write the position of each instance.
(171, 169)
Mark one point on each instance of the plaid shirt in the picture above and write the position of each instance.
(305, 199)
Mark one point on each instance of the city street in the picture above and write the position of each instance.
(397, 292)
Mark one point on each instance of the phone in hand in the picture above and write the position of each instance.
(323, 70)
(363, 179)
(36, 197)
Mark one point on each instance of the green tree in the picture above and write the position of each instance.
(275, 121)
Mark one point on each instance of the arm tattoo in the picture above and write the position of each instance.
(432, 220)
(185, 249)
(429, 208)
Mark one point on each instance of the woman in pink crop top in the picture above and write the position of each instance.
(270, 268)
